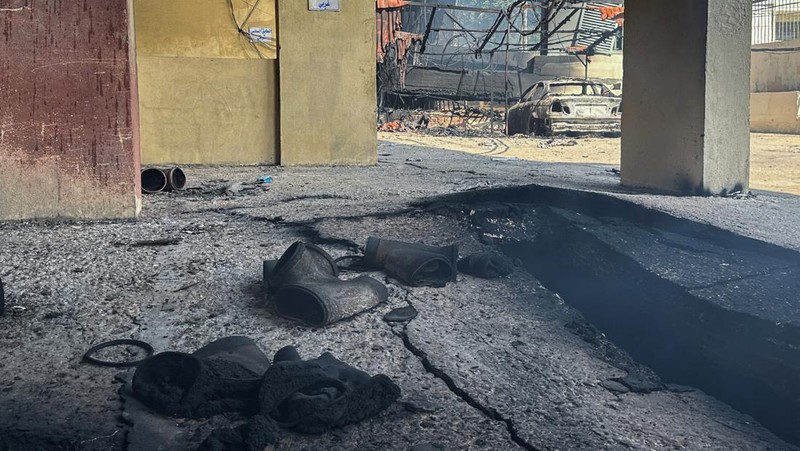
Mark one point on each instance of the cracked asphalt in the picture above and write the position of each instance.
(486, 365)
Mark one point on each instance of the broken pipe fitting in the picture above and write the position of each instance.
(301, 261)
(303, 285)
(322, 302)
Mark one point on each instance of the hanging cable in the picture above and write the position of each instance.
(246, 34)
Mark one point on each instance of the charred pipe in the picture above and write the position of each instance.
(153, 180)
(176, 179)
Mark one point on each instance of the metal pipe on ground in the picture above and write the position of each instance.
(155, 180)
(176, 179)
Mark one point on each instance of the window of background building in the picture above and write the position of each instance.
(787, 25)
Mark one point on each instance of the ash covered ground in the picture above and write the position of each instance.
(487, 364)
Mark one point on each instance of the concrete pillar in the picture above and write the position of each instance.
(685, 120)
(68, 116)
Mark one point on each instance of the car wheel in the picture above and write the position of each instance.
(539, 129)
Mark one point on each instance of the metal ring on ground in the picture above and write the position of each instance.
(87, 357)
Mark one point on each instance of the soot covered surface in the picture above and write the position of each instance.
(751, 362)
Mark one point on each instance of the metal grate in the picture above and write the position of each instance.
(591, 27)
(775, 21)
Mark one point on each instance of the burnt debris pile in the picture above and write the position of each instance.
(244, 399)
(233, 375)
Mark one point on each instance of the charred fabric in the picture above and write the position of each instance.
(233, 376)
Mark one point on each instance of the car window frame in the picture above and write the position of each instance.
(582, 85)
(605, 91)
(528, 95)
(589, 89)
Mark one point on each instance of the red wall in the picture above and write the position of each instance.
(68, 116)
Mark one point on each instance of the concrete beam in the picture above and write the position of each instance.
(685, 124)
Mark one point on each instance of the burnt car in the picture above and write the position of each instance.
(566, 105)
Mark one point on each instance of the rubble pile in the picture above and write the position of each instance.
(454, 121)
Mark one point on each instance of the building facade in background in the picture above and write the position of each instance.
(775, 21)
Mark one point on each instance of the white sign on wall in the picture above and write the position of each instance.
(323, 5)
(260, 34)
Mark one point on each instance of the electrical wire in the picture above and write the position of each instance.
(247, 35)
(776, 7)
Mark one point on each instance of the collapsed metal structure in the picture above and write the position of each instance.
(442, 54)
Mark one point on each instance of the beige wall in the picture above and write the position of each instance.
(775, 112)
(207, 94)
(775, 71)
(775, 82)
(604, 67)
(327, 84)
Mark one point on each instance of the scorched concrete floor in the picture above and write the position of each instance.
(487, 365)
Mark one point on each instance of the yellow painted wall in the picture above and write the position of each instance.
(327, 84)
(201, 28)
(207, 111)
(207, 94)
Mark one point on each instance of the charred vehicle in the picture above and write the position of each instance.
(566, 105)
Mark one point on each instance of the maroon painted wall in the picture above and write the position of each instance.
(68, 115)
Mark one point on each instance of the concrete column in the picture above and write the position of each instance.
(685, 120)
(68, 117)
